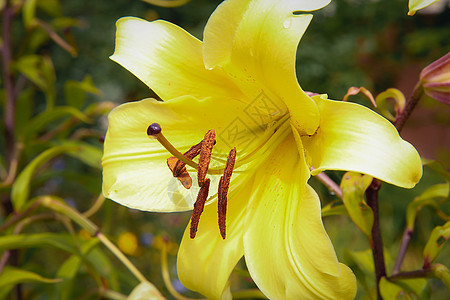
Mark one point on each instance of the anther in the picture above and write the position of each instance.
(190, 154)
(153, 129)
(182, 174)
(198, 207)
(222, 192)
(205, 155)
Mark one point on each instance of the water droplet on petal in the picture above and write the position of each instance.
(287, 23)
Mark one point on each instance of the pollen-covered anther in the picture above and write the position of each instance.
(182, 174)
(198, 207)
(190, 154)
(222, 192)
(205, 155)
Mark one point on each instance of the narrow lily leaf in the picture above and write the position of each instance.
(24, 109)
(437, 167)
(37, 69)
(361, 263)
(404, 289)
(43, 119)
(89, 154)
(69, 269)
(52, 7)
(75, 91)
(440, 271)
(21, 187)
(353, 187)
(145, 291)
(29, 12)
(438, 237)
(390, 94)
(427, 198)
(60, 241)
(11, 276)
(333, 209)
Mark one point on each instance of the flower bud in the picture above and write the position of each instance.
(435, 79)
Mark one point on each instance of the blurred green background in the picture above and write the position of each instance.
(349, 43)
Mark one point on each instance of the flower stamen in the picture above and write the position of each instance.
(222, 192)
(190, 154)
(181, 173)
(205, 155)
(198, 207)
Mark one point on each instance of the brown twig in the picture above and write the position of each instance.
(10, 101)
(372, 200)
(407, 234)
(377, 241)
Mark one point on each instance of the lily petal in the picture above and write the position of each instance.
(284, 222)
(205, 263)
(135, 173)
(152, 52)
(258, 46)
(354, 138)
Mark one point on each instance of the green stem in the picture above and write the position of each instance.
(166, 275)
(57, 205)
(125, 261)
(410, 105)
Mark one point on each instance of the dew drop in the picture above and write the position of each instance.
(287, 23)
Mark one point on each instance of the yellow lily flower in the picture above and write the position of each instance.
(241, 82)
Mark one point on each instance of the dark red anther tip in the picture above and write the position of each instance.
(153, 129)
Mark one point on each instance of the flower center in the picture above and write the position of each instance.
(177, 164)
(268, 140)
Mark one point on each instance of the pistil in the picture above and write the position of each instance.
(154, 131)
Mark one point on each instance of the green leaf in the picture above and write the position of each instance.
(408, 289)
(353, 187)
(29, 12)
(40, 121)
(89, 154)
(438, 237)
(382, 102)
(75, 91)
(361, 263)
(63, 242)
(24, 109)
(145, 291)
(38, 69)
(70, 268)
(21, 187)
(427, 198)
(51, 7)
(11, 276)
(333, 209)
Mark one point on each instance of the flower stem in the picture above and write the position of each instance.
(127, 263)
(59, 206)
(329, 183)
(10, 101)
(410, 105)
(166, 275)
(402, 251)
(377, 241)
